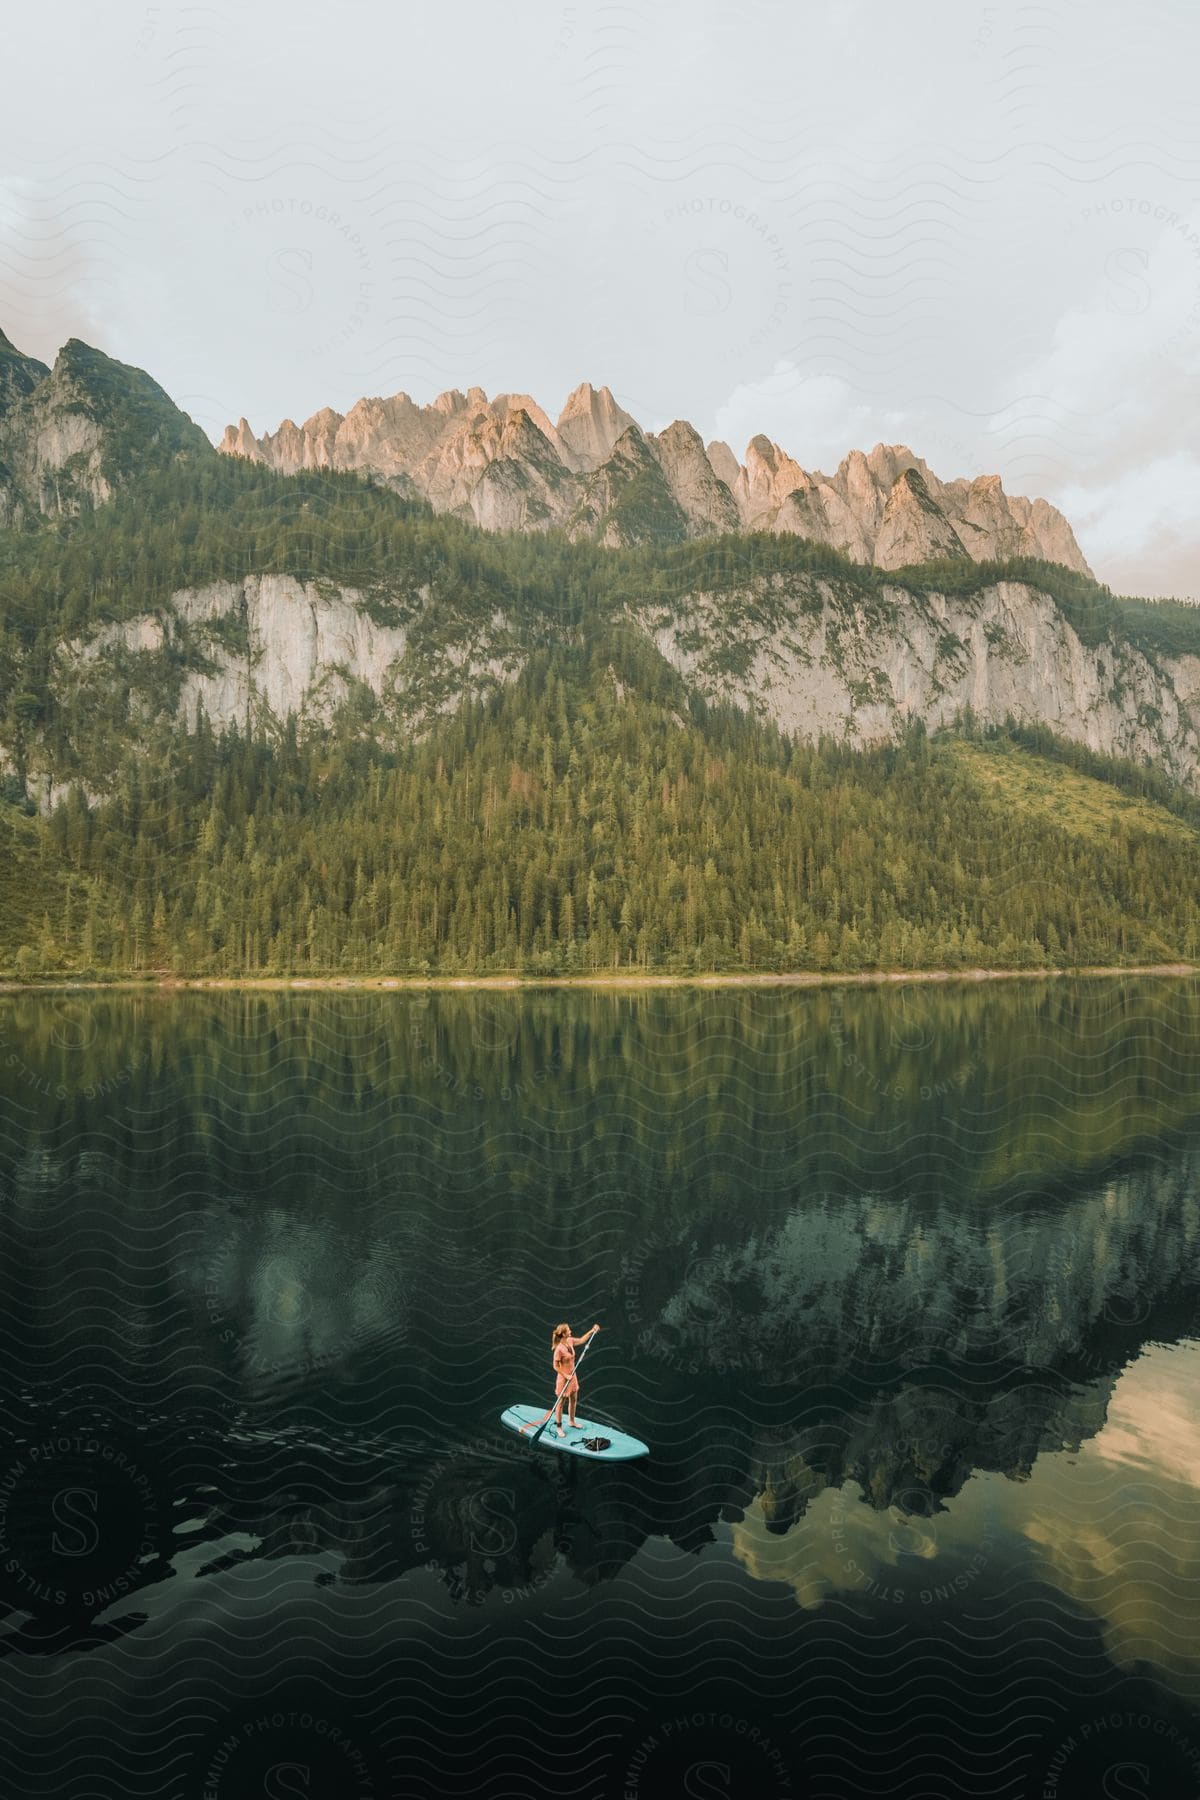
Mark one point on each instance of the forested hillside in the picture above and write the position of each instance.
(590, 811)
(574, 824)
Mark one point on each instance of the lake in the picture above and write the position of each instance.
(901, 1286)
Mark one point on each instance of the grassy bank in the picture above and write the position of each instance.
(616, 980)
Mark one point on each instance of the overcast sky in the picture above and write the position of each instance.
(973, 229)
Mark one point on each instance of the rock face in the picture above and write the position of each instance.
(303, 651)
(815, 657)
(272, 647)
(725, 464)
(628, 499)
(702, 495)
(590, 425)
(819, 662)
(70, 435)
(523, 485)
(913, 529)
(886, 507)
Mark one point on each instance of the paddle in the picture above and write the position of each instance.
(537, 1434)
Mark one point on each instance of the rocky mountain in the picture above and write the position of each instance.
(258, 618)
(71, 434)
(597, 473)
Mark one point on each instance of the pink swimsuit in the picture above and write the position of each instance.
(564, 1378)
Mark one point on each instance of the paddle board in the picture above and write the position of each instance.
(618, 1445)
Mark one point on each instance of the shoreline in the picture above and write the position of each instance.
(592, 983)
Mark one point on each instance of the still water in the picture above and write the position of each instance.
(901, 1286)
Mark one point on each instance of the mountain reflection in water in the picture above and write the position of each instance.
(901, 1286)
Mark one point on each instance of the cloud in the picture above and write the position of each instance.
(52, 275)
(1143, 517)
(1118, 1530)
(815, 418)
(1106, 415)
(1118, 354)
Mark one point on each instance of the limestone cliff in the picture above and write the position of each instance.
(821, 662)
(815, 656)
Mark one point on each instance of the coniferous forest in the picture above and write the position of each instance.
(559, 829)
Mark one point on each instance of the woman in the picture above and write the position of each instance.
(566, 1381)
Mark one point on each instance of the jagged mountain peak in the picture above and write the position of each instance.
(891, 460)
(453, 401)
(325, 416)
(705, 498)
(628, 499)
(9, 350)
(591, 424)
(521, 424)
(987, 484)
(681, 432)
(913, 480)
(724, 463)
(443, 450)
(74, 350)
(239, 440)
(587, 399)
(631, 446)
(762, 449)
(914, 529)
(524, 403)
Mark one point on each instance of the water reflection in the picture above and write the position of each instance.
(1117, 1529)
(887, 1302)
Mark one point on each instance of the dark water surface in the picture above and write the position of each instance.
(901, 1287)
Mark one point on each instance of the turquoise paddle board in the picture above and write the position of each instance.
(610, 1444)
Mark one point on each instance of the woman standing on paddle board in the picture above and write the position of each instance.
(566, 1381)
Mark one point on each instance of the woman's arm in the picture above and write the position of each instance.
(586, 1336)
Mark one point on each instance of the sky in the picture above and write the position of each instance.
(972, 229)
